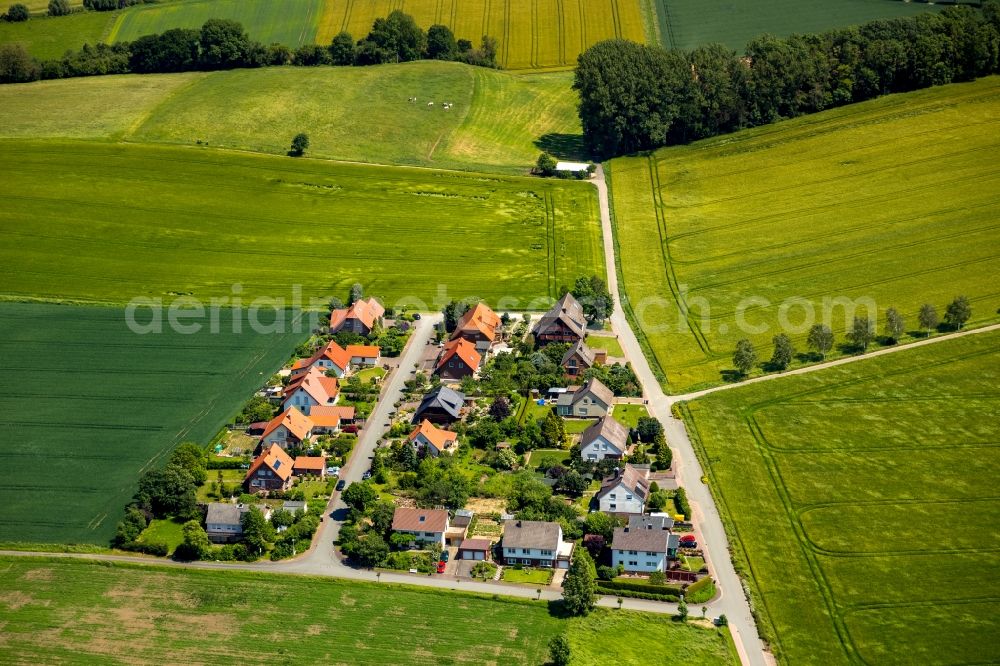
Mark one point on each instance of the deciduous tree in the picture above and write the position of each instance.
(928, 318)
(783, 351)
(894, 324)
(820, 339)
(958, 312)
(745, 356)
(862, 332)
(580, 586)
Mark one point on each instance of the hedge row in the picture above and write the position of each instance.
(640, 587)
(637, 595)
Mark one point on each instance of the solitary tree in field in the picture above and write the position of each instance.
(17, 13)
(546, 164)
(745, 357)
(783, 352)
(928, 317)
(894, 324)
(862, 332)
(682, 610)
(820, 339)
(299, 144)
(958, 312)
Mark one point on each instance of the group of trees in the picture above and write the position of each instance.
(595, 298)
(224, 44)
(635, 97)
(860, 335)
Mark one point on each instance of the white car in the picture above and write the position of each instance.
(333, 471)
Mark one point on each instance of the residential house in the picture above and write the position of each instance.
(605, 439)
(310, 466)
(578, 359)
(426, 525)
(474, 549)
(295, 506)
(364, 355)
(478, 326)
(288, 429)
(224, 520)
(311, 389)
(458, 359)
(435, 440)
(563, 323)
(645, 545)
(330, 358)
(591, 399)
(361, 317)
(440, 406)
(331, 420)
(626, 491)
(535, 543)
(271, 470)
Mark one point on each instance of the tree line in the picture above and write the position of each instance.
(820, 338)
(635, 97)
(225, 44)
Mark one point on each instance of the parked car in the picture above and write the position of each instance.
(333, 471)
(367, 475)
(341, 484)
(444, 555)
(416, 316)
(440, 567)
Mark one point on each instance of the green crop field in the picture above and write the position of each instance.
(58, 611)
(686, 24)
(861, 503)
(531, 34)
(91, 404)
(289, 22)
(498, 122)
(103, 222)
(892, 202)
(48, 38)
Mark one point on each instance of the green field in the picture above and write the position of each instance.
(861, 503)
(629, 415)
(166, 530)
(894, 201)
(60, 611)
(48, 38)
(289, 22)
(530, 33)
(102, 222)
(106, 404)
(499, 121)
(686, 24)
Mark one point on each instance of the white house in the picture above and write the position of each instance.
(646, 545)
(426, 525)
(435, 440)
(625, 492)
(591, 399)
(287, 429)
(311, 389)
(331, 357)
(364, 355)
(535, 543)
(605, 439)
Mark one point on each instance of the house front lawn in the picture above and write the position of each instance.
(168, 531)
(608, 343)
(369, 375)
(629, 415)
(577, 426)
(692, 563)
(527, 576)
(547, 458)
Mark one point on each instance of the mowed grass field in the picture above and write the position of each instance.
(687, 24)
(48, 38)
(91, 404)
(892, 202)
(862, 505)
(498, 121)
(107, 223)
(58, 611)
(531, 34)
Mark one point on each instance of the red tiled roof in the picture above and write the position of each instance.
(364, 311)
(310, 463)
(439, 437)
(474, 544)
(480, 319)
(364, 351)
(420, 520)
(323, 389)
(329, 412)
(462, 348)
(295, 421)
(276, 460)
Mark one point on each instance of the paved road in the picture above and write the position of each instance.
(708, 524)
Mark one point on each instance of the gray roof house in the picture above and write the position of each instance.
(565, 322)
(644, 546)
(605, 439)
(626, 491)
(224, 520)
(441, 406)
(578, 359)
(591, 399)
(535, 543)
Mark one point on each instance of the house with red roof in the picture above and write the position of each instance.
(424, 525)
(458, 359)
(271, 470)
(364, 355)
(435, 440)
(331, 357)
(478, 326)
(287, 429)
(360, 318)
(310, 466)
(309, 389)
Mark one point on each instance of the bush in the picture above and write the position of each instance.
(681, 502)
(601, 589)
(700, 591)
(17, 13)
(299, 144)
(59, 7)
(152, 548)
(630, 586)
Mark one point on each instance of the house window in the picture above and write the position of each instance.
(612, 495)
(633, 563)
(633, 552)
(628, 497)
(526, 551)
(613, 507)
(649, 554)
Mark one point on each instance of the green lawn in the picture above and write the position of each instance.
(609, 343)
(861, 504)
(231, 477)
(629, 415)
(123, 221)
(499, 121)
(292, 22)
(49, 38)
(775, 228)
(169, 532)
(370, 374)
(685, 24)
(527, 576)
(577, 426)
(530, 409)
(548, 457)
(102, 611)
(107, 404)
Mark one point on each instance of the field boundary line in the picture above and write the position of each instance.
(144, 117)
